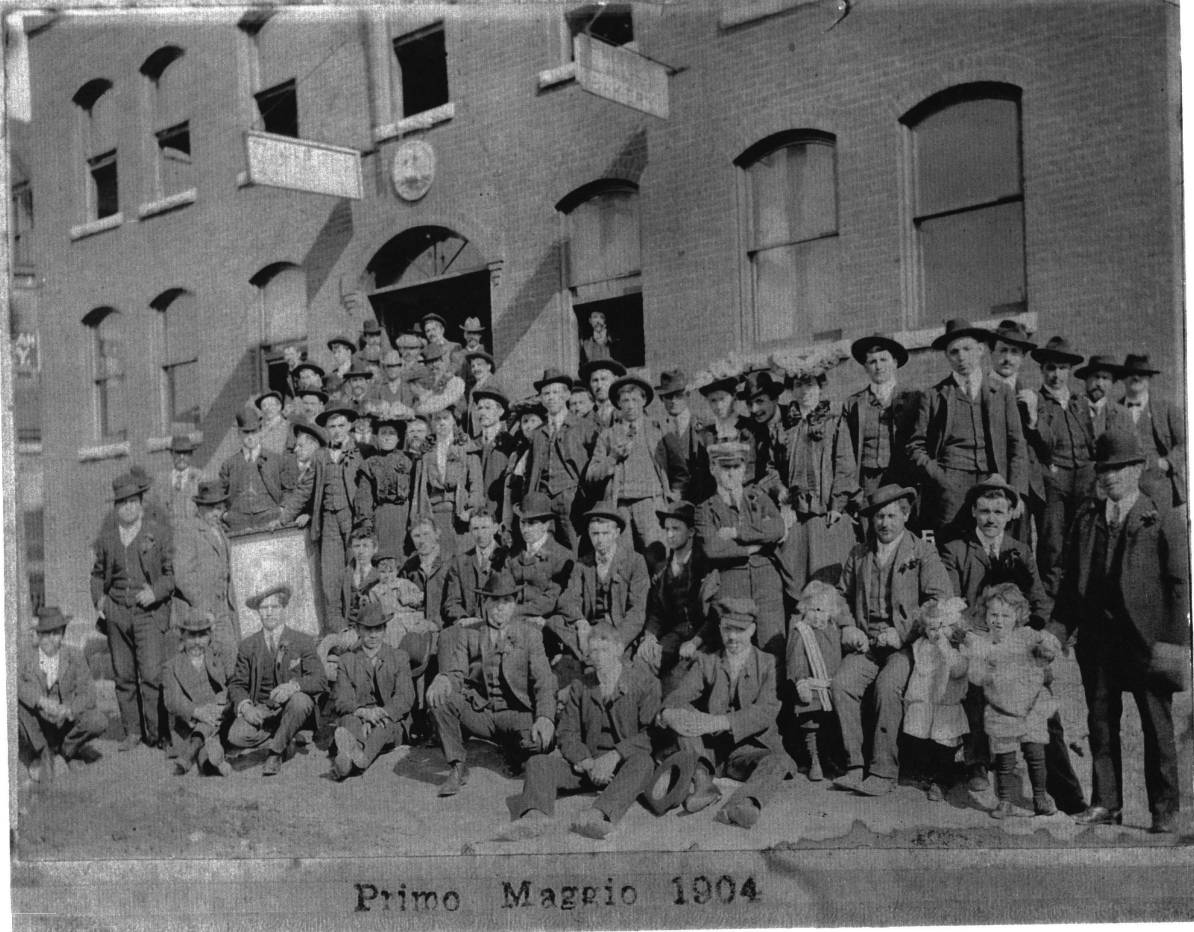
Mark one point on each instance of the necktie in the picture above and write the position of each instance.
(178, 482)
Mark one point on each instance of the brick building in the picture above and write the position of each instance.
(823, 170)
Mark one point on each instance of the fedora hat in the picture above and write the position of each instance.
(992, 483)
(1014, 333)
(737, 613)
(604, 511)
(210, 493)
(1100, 363)
(391, 357)
(587, 370)
(761, 382)
(960, 327)
(728, 453)
(328, 413)
(553, 375)
(358, 371)
(372, 615)
(728, 384)
(409, 341)
(342, 340)
(249, 419)
(304, 392)
(282, 589)
(472, 325)
(182, 443)
(530, 406)
(672, 382)
(499, 585)
(1116, 448)
(492, 390)
(318, 370)
(480, 354)
(388, 553)
(885, 495)
(304, 426)
(127, 486)
(433, 316)
(433, 351)
(681, 510)
(671, 781)
(535, 507)
(1137, 364)
(197, 621)
(371, 326)
(270, 394)
(1058, 349)
(617, 385)
(860, 347)
(50, 618)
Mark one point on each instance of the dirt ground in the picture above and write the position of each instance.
(129, 805)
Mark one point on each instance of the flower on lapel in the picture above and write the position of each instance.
(909, 566)
(1149, 518)
(147, 542)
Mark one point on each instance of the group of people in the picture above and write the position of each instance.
(637, 602)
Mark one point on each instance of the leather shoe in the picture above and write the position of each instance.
(456, 779)
(273, 765)
(1008, 810)
(1043, 805)
(129, 743)
(744, 814)
(704, 791)
(876, 786)
(850, 780)
(1100, 815)
(592, 823)
(1164, 823)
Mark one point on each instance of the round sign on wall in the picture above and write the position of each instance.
(413, 169)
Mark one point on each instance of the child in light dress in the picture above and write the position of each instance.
(814, 654)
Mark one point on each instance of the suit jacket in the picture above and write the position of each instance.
(971, 571)
(155, 551)
(179, 504)
(463, 578)
(236, 475)
(1152, 578)
(296, 660)
(917, 576)
(605, 473)
(73, 688)
(1055, 426)
(758, 522)
(629, 583)
(495, 461)
(675, 605)
(752, 708)
(1001, 417)
(905, 404)
(202, 571)
(682, 452)
(433, 584)
(626, 718)
(1168, 440)
(820, 448)
(350, 595)
(574, 442)
(524, 667)
(354, 683)
(184, 687)
(543, 576)
(701, 481)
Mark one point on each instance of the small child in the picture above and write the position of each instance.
(933, 698)
(814, 654)
(402, 600)
(1011, 664)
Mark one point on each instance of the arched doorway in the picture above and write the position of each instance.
(430, 269)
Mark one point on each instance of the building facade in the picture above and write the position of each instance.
(822, 171)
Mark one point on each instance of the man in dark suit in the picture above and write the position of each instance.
(251, 478)
(603, 743)
(179, 485)
(278, 678)
(494, 682)
(760, 391)
(373, 695)
(195, 687)
(56, 710)
(967, 427)
(724, 712)
(1098, 376)
(468, 570)
(885, 581)
(203, 571)
(1162, 433)
(1010, 346)
(493, 445)
(542, 567)
(1124, 586)
(682, 436)
(131, 585)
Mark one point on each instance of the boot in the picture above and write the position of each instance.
(456, 779)
(704, 792)
(815, 774)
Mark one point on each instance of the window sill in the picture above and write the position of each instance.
(923, 339)
(162, 205)
(92, 227)
(29, 449)
(556, 76)
(107, 451)
(739, 12)
(424, 120)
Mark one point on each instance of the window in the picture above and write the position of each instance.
(179, 339)
(611, 23)
(967, 203)
(423, 67)
(792, 236)
(269, 60)
(278, 108)
(282, 309)
(168, 108)
(97, 135)
(22, 224)
(107, 366)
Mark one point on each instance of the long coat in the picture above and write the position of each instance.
(815, 448)
(202, 571)
(905, 405)
(74, 686)
(543, 576)
(523, 665)
(917, 576)
(296, 660)
(751, 707)
(1168, 440)
(682, 452)
(971, 571)
(627, 718)
(155, 552)
(184, 687)
(573, 442)
(236, 478)
(495, 462)
(629, 582)
(463, 579)
(354, 683)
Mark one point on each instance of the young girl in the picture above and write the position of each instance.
(814, 654)
(1011, 663)
(933, 698)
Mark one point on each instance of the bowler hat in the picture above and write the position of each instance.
(681, 510)
(322, 396)
(536, 506)
(553, 375)
(342, 340)
(127, 486)
(605, 511)
(210, 493)
(280, 589)
(499, 585)
(387, 553)
(370, 326)
(761, 382)
(958, 328)
(617, 385)
(992, 483)
(860, 347)
(197, 620)
(480, 354)
(737, 613)
(1014, 333)
(728, 453)
(358, 371)
(372, 615)
(318, 370)
(335, 410)
(391, 358)
(50, 618)
(1058, 350)
(409, 341)
(1137, 364)
(885, 495)
(671, 781)
(433, 316)
(1099, 363)
(530, 406)
(672, 382)
(1116, 448)
(729, 385)
(433, 351)
(472, 325)
(249, 419)
(182, 443)
(304, 426)
(494, 391)
(587, 370)
(270, 394)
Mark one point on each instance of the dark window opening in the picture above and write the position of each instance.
(103, 182)
(624, 321)
(278, 106)
(35, 534)
(423, 61)
(175, 142)
(611, 24)
(22, 223)
(92, 91)
(156, 64)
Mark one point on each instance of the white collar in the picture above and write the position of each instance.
(1009, 381)
(883, 392)
(969, 385)
(982, 542)
(1143, 403)
(1124, 505)
(538, 545)
(885, 553)
(1097, 405)
(1062, 397)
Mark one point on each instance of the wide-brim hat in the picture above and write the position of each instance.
(1117, 448)
(587, 370)
(391, 357)
(197, 621)
(737, 612)
(860, 347)
(729, 385)
(637, 380)
(480, 354)
(490, 390)
(671, 781)
(210, 493)
(535, 506)
(992, 483)
(318, 370)
(343, 340)
(1014, 333)
(304, 426)
(283, 589)
(433, 351)
(672, 382)
(270, 394)
(388, 553)
(530, 406)
(1137, 364)
(328, 413)
(885, 495)
(1059, 350)
(358, 371)
(499, 585)
(960, 327)
(606, 512)
(433, 316)
(761, 382)
(249, 419)
(127, 486)
(380, 421)
(50, 618)
(408, 341)
(182, 443)
(304, 392)
(372, 615)
(553, 375)
(371, 326)
(472, 325)
(1099, 363)
(681, 510)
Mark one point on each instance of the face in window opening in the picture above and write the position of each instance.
(599, 383)
(880, 366)
(1007, 359)
(598, 326)
(722, 404)
(554, 397)
(965, 355)
(338, 429)
(434, 331)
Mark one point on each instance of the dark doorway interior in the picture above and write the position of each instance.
(624, 320)
(454, 299)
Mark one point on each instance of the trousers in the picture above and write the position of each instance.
(549, 774)
(762, 769)
(137, 642)
(333, 560)
(68, 739)
(455, 716)
(375, 739)
(886, 674)
(278, 729)
(1064, 491)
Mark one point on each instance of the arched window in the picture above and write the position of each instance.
(97, 122)
(967, 198)
(268, 46)
(169, 112)
(179, 339)
(107, 368)
(792, 235)
(282, 309)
